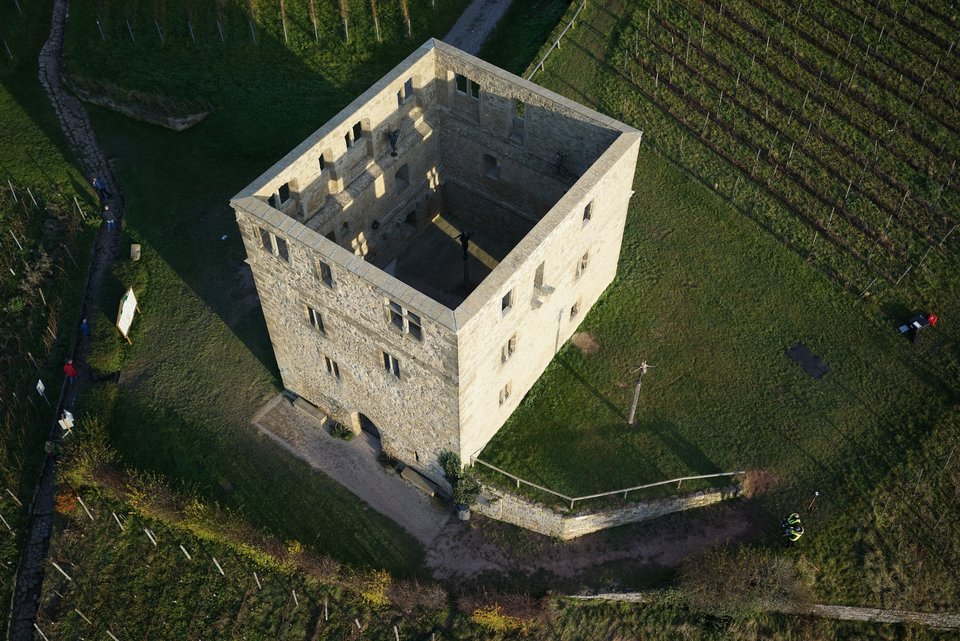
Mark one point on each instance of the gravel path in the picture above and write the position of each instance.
(475, 24)
(83, 143)
(355, 465)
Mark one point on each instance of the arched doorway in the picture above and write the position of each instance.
(368, 426)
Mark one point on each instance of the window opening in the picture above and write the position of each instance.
(284, 193)
(402, 177)
(508, 349)
(491, 168)
(538, 277)
(588, 211)
(391, 364)
(505, 393)
(506, 301)
(332, 367)
(461, 82)
(315, 319)
(326, 275)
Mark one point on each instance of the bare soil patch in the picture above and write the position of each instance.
(585, 342)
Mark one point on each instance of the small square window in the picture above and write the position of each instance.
(316, 320)
(474, 90)
(506, 301)
(323, 162)
(391, 364)
(323, 271)
(461, 82)
(282, 251)
(588, 211)
(284, 192)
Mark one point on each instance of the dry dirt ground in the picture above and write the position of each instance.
(488, 549)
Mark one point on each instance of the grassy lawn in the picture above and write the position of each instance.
(521, 33)
(40, 283)
(201, 364)
(712, 300)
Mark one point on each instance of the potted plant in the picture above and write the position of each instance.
(466, 489)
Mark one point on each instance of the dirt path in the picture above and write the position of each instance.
(475, 24)
(941, 621)
(354, 464)
(83, 143)
(484, 547)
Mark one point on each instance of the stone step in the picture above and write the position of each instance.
(309, 409)
(419, 481)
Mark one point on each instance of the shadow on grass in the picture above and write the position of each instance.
(565, 364)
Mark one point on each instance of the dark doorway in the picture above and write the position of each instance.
(367, 426)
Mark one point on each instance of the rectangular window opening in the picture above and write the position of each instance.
(508, 349)
(575, 309)
(272, 201)
(323, 162)
(316, 320)
(411, 219)
(505, 393)
(461, 82)
(348, 140)
(491, 167)
(582, 265)
(326, 275)
(331, 236)
(357, 131)
(405, 320)
(474, 90)
(402, 177)
(413, 326)
(538, 277)
(263, 237)
(391, 364)
(588, 211)
(521, 108)
(332, 367)
(506, 301)
(282, 251)
(284, 193)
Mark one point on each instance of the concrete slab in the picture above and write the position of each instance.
(419, 481)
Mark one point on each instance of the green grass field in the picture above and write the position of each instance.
(713, 300)
(200, 364)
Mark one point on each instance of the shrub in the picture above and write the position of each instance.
(340, 430)
(373, 588)
(466, 489)
(493, 618)
(410, 595)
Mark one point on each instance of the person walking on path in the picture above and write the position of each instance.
(85, 328)
(108, 217)
(101, 188)
(70, 370)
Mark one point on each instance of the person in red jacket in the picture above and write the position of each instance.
(70, 370)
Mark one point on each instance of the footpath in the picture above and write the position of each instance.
(83, 143)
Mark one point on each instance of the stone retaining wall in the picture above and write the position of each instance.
(502, 506)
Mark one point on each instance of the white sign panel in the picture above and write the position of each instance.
(128, 307)
(40, 387)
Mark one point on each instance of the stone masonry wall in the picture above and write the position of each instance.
(541, 320)
(416, 413)
(510, 508)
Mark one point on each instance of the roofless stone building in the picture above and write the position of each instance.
(354, 240)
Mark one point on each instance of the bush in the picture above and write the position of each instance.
(466, 489)
(339, 430)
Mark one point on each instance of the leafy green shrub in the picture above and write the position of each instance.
(341, 431)
(466, 489)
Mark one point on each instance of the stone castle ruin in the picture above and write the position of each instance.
(357, 240)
